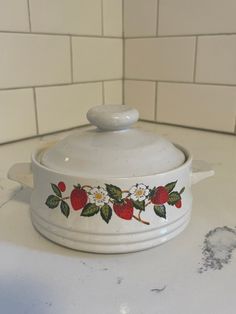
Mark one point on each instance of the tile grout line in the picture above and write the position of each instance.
(102, 18)
(113, 37)
(86, 125)
(60, 84)
(29, 15)
(123, 52)
(71, 60)
(157, 18)
(123, 18)
(195, 60)
(36, 111)
(57, 34)
(181, 35)
(42, 135)
(188, 127)
(103, 92)
(183, 82)
(117, 79)
(155, 108)
(123, 78)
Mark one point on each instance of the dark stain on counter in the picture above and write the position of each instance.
(119, 280)
(158, 290)
(217, 248)
(104, 269)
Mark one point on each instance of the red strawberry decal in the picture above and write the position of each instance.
(78, 198)
(61, 186)
(178, 204)
(124, 210)
(160, 196)
(127, 204)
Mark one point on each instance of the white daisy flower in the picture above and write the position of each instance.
(139, 192)
(98, 196)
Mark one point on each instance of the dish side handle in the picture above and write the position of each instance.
(200, 171)
(21, 173)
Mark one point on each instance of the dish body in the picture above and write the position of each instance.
(110, 215)
(90, 194)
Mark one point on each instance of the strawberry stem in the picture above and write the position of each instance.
(141, 220)
(139, 215)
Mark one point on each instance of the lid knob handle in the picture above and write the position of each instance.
(112, 117)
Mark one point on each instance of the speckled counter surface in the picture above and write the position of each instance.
(193, 273)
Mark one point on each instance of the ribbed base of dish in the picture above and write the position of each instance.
(109, 243)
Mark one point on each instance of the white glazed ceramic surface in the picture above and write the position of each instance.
(128, 152)
(123, 191)
(140, 230)
(112, 118)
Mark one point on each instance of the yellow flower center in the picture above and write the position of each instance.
(98, 196)
(139, 192)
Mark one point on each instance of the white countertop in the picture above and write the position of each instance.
(40, 277)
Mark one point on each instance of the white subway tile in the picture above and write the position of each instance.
(160, 58)
(196, 17)
(202, 106)
(14, 15)
(216, 59)
(97, 59)
(66, 16)
(28, 60)
(17, 114)
(113, 92)
(140, 18)
(63, 107)
(112, 17)
(141, 95)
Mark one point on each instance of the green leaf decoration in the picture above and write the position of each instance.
(173, 198)
(106, 213)
(52, 201)
(65, 209)
(152, 192)
(139, 204)
(56, 190)
(89, 210)
(160, 211)
(182, 190)
(114, 192)
(170, 186)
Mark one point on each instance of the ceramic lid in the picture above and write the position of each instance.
(113, 148)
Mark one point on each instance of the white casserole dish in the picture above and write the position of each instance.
(111, 189)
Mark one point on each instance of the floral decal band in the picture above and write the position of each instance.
(126, 204)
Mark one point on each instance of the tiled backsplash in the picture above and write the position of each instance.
(172, 59)
(180, 59)
(57, 59)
